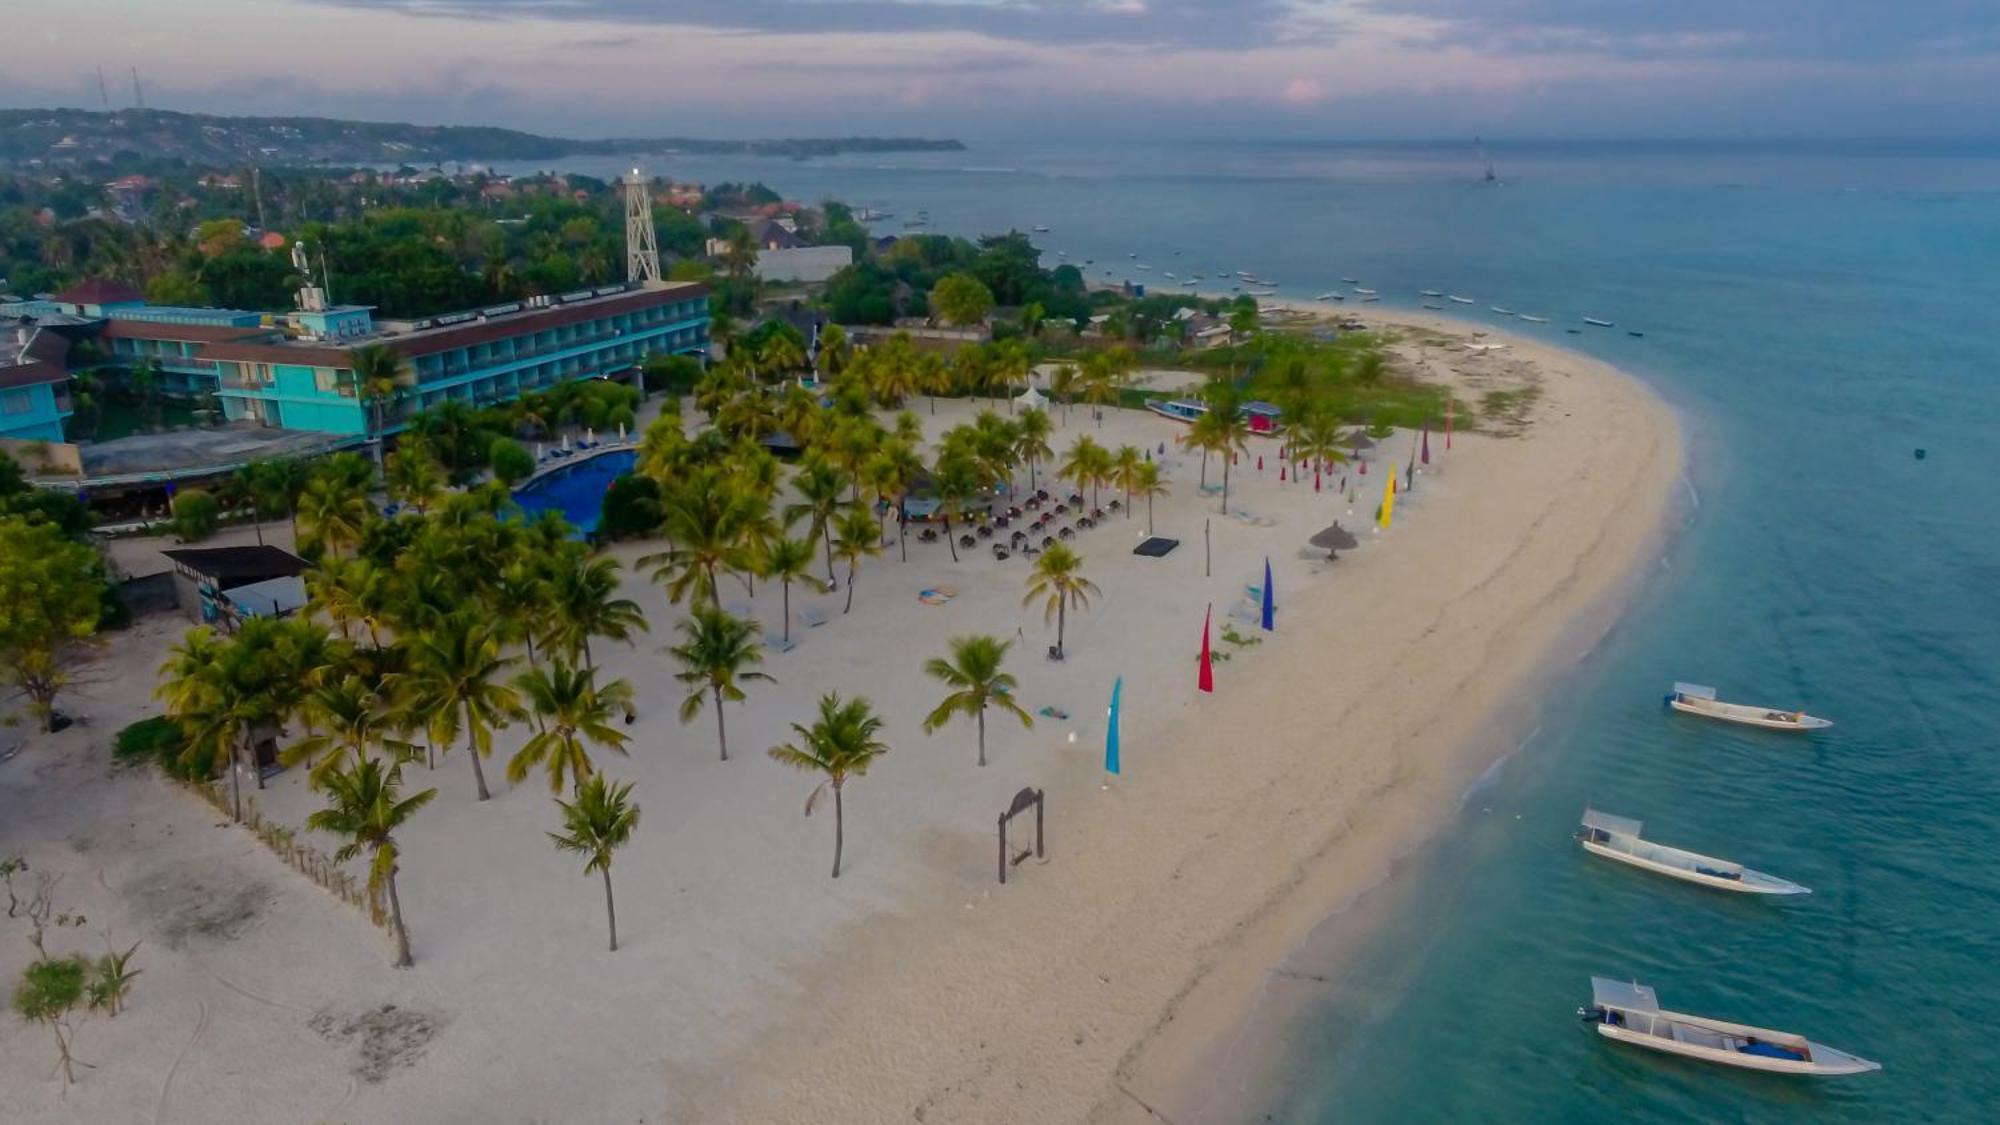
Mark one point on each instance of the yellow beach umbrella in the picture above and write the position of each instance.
(1388, 498)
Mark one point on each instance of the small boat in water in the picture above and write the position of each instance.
(1331, 295)
(1040, 229)
(1533, 319)
(1501, 311)
(1351, 280)
(1617, 838)
(1364, 292)
(1430, 293)
(1370, 297)
(1597, 322)
(1631, 1013)
(1456, 299)
(1433, 305)
(1699, 699)
(1636, 335)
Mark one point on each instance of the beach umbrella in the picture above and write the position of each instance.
(1359, 440)
(1333, 539)
(1388, 508)
(1363, 466)
(1111, 730)
(1206, 680)
(621, 433)
(1448, 402)
(1427, 443)
(1315, 480)
(1281, 472)
(1270, 600)
(1260, 462)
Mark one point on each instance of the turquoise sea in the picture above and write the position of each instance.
(1818, 313)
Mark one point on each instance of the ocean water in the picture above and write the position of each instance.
(1818, 313)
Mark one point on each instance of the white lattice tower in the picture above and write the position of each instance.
(642, 249)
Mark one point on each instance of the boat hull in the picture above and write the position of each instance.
(1747, 882)
(1759, 717)
(1825, 1062)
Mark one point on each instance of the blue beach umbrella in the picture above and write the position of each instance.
(1111, 731)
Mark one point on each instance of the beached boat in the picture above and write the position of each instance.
(1456, 299)
(1263, 419)
(1699, 699)
(1533, 319)
(1597, 322)
(1631, 1013)
(1618, 838)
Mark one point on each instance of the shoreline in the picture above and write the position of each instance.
(1078, 1036)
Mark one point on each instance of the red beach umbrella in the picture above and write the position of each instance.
(1206, 681)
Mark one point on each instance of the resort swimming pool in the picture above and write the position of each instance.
(576, 490)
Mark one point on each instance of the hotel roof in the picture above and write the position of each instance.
(474, 327)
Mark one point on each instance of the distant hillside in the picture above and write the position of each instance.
(72, 135)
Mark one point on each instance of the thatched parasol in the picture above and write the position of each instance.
(1359, 440)
(1335, 538)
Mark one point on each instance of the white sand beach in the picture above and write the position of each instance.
(749, 986)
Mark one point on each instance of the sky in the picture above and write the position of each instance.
(1143, 69)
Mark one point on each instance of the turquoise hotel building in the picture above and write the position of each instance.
(294, 370)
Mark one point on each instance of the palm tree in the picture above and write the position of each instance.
(1228, 432)
(715, 650)
(842, 744)
(790, 560)
(835, 350)
(706, 514)
(363, 805)
(455, 675)
(574, 711)
(781, 354)
(414, 476)
(1087, 465)
(596, 824)
(380, 374)
(1031, 440)
(820, 487)
(957, 481)
(892, 473)
(1150, 482)
(584, 603)
(335, 511)
(224, 692)
(1059, 582)
(973, 673)
(1125, 472)
(356, 718)
(857, 537)
(1063, 384)
(1317, 438)
(933, 377)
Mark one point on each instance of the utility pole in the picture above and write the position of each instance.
(103, 93)
(138, 95)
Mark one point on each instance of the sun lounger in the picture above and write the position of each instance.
(812, 617)
(778, 643)
(1053, 713)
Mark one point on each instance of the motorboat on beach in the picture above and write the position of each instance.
(1631, 1013)
(1699, 699)
(1618, 838)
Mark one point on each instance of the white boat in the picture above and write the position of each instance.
(1597, 322)
(1533, 319)
(1168, 273)
(1699, 699)
(1617, 838)
(1040, 229)
(1433, 305)
(1329, 295)
(1351, 280)
(1370, 297)
(1144, 266)
(1456, 299)
(1631, 1013)
(1430, 292)
(1501, 311)
(1364, 292)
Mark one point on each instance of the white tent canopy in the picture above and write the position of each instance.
(1032, 399)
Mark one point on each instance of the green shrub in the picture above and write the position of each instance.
(159, 740)
(197, 513)
(510, 461)
(631, 508)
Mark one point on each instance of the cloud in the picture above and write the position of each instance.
(1302, 91)
(1137, 23)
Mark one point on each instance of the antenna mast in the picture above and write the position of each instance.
(138, 95)
(103, 92)
(642, 249)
